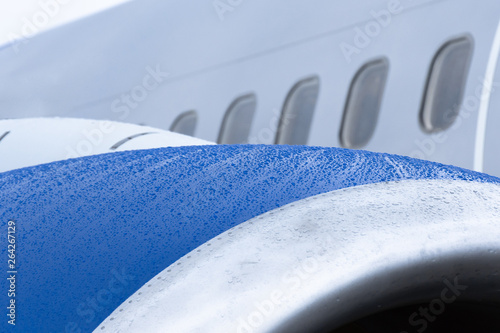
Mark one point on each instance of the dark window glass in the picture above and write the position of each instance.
(445, 85)
(237, 121)
(363, 104)
(185, 123)
(297, 114)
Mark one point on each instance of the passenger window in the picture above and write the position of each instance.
(297, 114)
(185, 123)
(446, 84)
(237, 121)
(363, 104)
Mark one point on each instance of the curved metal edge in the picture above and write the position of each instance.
(32, 141)
(307, 264)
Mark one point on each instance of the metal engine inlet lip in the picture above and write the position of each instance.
(320, 262)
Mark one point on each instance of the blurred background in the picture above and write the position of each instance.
(409, 77)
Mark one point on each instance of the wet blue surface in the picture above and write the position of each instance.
(93, 230)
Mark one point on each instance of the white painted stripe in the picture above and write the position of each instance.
(485, 102)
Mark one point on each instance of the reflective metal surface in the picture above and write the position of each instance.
(316, 264)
